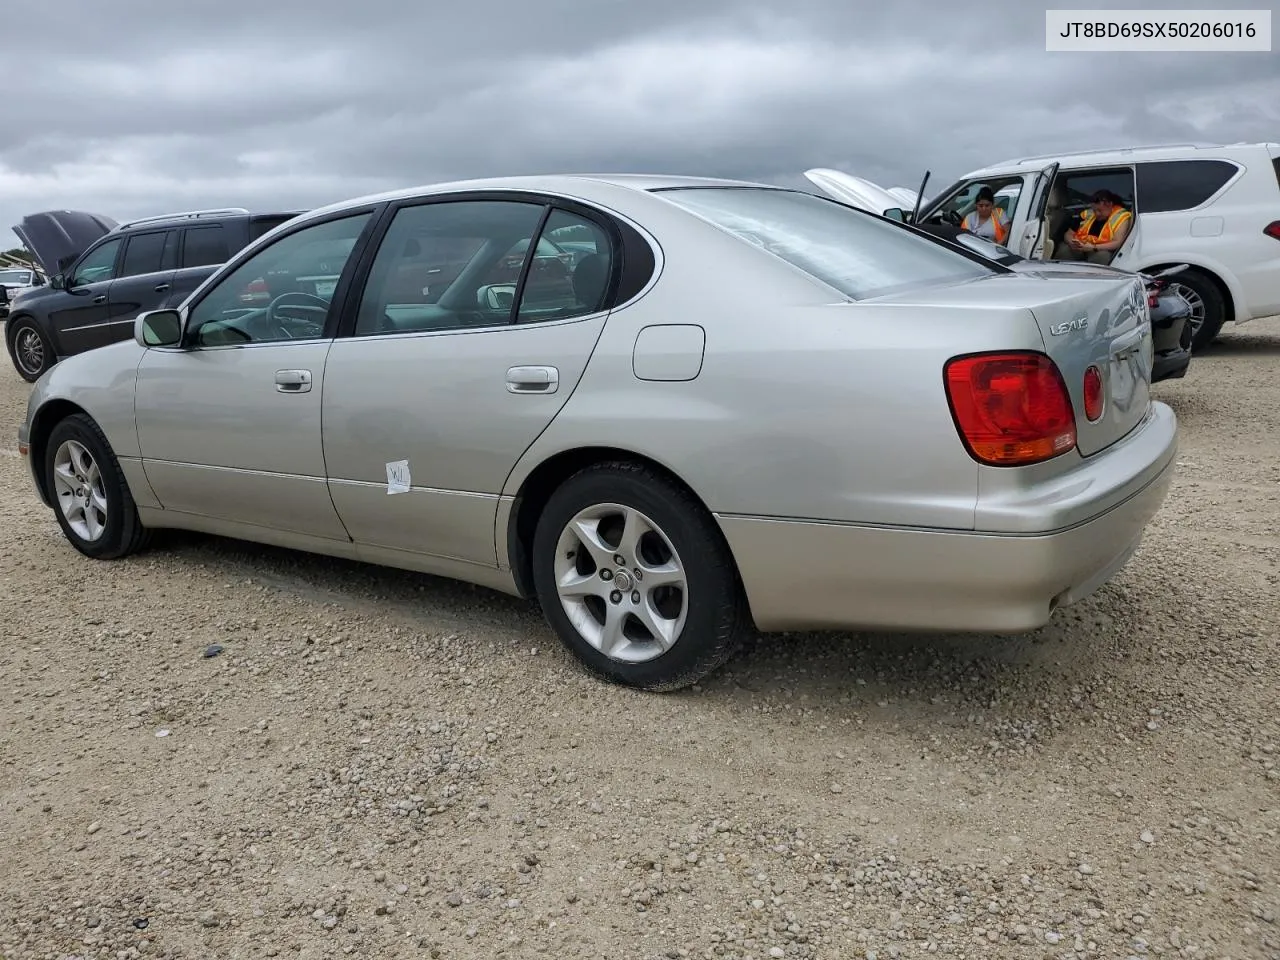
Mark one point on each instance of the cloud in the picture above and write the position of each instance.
(286, 104)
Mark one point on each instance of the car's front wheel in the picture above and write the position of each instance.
(636, 579)
(31, 351)
(90, 496)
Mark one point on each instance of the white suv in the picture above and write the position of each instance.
(1216, 208)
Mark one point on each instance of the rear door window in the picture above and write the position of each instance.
(205, 246)
(1180, 184)
(858, 254)
(143, 253)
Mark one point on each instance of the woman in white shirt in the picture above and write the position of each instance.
(987, 220)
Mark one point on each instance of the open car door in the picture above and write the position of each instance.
(1032, 243)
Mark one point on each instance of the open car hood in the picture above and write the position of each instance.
(906, 197)
(854, 191)
(53, 235)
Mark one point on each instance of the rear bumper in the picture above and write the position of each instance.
(802, 575)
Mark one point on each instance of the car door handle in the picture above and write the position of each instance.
(293, 381)
(533, 380)
(161, 287)
(100, 298)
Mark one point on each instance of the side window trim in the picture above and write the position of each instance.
(341, 302)
(530, 256)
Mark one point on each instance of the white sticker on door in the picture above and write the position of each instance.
(398, 477)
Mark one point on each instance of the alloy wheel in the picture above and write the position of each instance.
(1195, 301)
(621, 583)
(28, 349)
(78, 486)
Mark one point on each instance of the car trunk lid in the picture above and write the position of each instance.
(54, 236)
(1098, 321)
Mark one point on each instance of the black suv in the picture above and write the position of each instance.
(103, 274)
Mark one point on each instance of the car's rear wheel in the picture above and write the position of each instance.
(1208, 307)
(90, 496)
(31, 351)
(636, 579)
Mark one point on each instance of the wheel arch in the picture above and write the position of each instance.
(1216, 275)
(45, 329)
(538, 486)
(48, 416)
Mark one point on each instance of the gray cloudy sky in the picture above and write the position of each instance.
(126, 108)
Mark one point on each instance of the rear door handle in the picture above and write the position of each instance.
(100, 298)
(293, 381)
(161, 287)
(533, 380)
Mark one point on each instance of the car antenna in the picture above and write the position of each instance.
(915, 211)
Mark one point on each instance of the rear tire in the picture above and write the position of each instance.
(29, 348)
(1209, 307)
(666, 616)
(90, 496)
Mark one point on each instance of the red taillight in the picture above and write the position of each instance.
(1272, 229)
(1011, 409)
(1093, 393)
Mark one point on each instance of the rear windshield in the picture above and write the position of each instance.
(860, 255)
(1276, 163)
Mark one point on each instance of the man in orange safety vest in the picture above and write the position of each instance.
(1103, 229)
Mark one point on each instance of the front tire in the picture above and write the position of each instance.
(90, 496)
(29, 348)
(1208, 306)
(636, 579)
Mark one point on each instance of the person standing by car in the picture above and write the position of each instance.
(1103, 229)
(986, 219)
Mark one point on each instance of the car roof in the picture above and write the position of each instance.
(569, 184)
(178, 219)
(1168, 151)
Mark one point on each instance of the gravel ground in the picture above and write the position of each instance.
(384, 765)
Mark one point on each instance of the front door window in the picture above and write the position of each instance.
(283, 292)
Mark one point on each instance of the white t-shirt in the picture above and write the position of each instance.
(984, 228)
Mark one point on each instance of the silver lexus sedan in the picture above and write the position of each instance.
(669, 409)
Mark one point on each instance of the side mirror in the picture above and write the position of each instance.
(57, 282)
(897, 213)
(158, 328)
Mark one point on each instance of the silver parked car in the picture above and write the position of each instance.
(744, 404)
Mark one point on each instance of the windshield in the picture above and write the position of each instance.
(858, 254)
(19, 278)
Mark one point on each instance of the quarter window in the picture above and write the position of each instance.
(143, 253)
(98, 265)
(1180, 184)
(283, 292)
